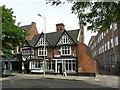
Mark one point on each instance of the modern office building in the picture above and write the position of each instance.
(105, 47)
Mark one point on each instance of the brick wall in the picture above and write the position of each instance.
(85, 62)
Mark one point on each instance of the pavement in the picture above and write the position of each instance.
(102, 80)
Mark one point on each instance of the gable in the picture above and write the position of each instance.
(65, 39)
(40, 42)
(26, 44)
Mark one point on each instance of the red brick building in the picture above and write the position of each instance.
(105, 47)
(63, 52)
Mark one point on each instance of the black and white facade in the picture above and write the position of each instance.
(59, 50)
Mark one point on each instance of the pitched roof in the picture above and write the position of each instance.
(53, 37)
(34, 39)
(74, 34)
(26, 27)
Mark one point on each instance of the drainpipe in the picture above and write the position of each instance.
(77, 59)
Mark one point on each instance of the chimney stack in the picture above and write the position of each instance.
(60, 27)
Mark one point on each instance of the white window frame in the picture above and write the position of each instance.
(111, 43)
(115, 26)
(35, 65)
(108, 45)
(63, 48)
(116, 41)
(42, 50)
(51, 63)
(69, 63)
(65, 39)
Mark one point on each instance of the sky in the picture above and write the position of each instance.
(26, 11)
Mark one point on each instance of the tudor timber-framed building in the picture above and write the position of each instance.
(63, 52)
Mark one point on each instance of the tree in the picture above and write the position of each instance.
(98, 14)
(12, 35)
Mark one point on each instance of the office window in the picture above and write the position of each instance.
(108, 45)
(111, 27)
(105, 46)
(111, 42)
(116, 41)
(115, 26)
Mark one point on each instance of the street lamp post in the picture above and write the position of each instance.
(44, 40)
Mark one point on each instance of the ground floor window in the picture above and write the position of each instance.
(37, 65)
(70, 65)
(50, 65)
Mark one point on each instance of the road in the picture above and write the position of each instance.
(26, 82)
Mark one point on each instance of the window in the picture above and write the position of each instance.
(26, 51)
(41, 41)
(111, 42)
(70, 65)
(65, 39)
(66, 50)
(105, 47)
(37, 65)
(111, 27)
(32, 51)
(41, 51)
(107, 31)
(108, 45)
(115, 26)
(116, 41)
(102, 35)
(51, 65)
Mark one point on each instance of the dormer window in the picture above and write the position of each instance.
(66, 50)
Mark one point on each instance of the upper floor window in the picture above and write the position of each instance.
(116, 41)
(65, 39)
(25, 51)
(66, 50)
(42, 52)
(111, 42)
(108, 45)
(41, 41)
(105, 46)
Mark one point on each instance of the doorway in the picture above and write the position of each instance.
(59, 68)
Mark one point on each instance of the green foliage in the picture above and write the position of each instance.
(97, 14)
(12, 35)
(100, 14)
